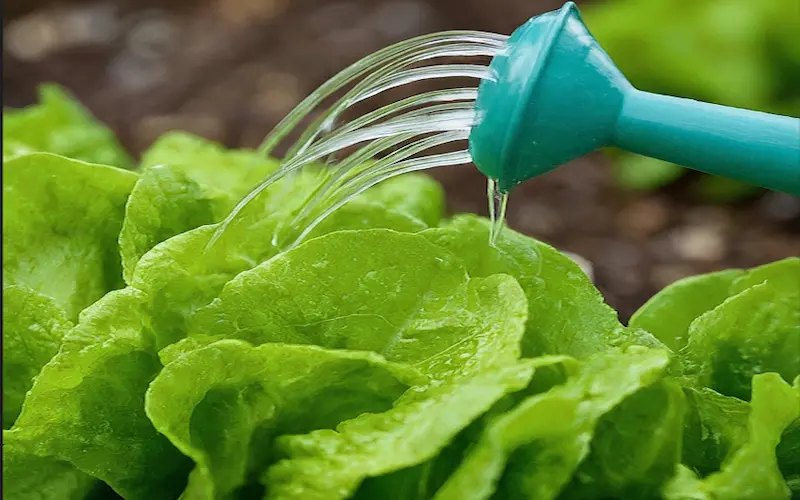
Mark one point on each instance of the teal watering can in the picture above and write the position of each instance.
(555, 95)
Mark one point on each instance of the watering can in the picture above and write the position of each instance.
(556, 95)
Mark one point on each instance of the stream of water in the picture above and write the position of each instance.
(398, 138)
(498, 201)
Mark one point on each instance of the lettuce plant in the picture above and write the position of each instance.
(395, 354)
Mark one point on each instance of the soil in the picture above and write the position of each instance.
(230, 69)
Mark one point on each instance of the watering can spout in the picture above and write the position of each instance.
(555, 95)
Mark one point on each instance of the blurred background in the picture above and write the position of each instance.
(228, 70)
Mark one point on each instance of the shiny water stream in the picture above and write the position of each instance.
(401, 137)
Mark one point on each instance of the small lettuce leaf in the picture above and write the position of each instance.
(717, 426)
(27, 476)
(59, 124)
(164, 202)
(217, 402)
(86, 407)
(61, 218)
(755, 331)
(668, 314)
(186, 182)
(534, 449)
(751, 472)
(33, 326)
(225, 173)
(714, 427)
(636, 446)
(566, 313)
(181, 275)
(784, 275)
(421, 481)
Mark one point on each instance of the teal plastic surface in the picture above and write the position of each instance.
(556, 95)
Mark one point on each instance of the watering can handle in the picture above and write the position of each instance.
(758, 148)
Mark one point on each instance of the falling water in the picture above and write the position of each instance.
(498, 201)
(389, 141)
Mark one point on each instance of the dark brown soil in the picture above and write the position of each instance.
(230, 69)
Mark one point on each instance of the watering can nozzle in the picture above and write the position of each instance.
(555, 95)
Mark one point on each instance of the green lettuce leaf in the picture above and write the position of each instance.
(223, 404)
(421, 481)
(784, 275)
(186, 182)
(636, 446)
(714, 427)
(225, 173)
(59, 124)
(61, 218)
(755, 331)
(668, 314)
(534, 449)
(751, 472)
(33, 326)
(27, 476)
(86, 407)
(164, 202)
(566, 313)
(375, 290)
(717, 426)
